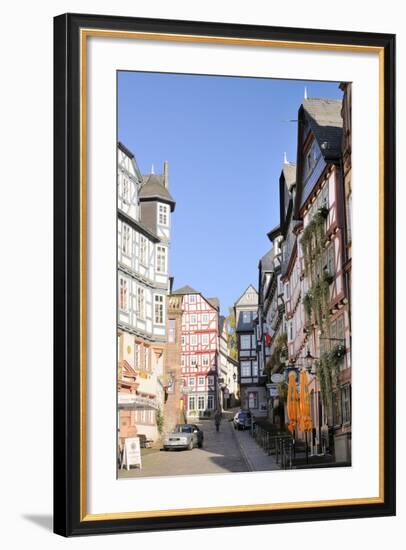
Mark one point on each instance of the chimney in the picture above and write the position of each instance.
(166, 174)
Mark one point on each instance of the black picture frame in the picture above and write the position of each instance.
(67, 266)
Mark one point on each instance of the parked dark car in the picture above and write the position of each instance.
(184, 436)
(242, 420)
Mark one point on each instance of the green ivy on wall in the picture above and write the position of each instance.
(316, 301)
(327, 372)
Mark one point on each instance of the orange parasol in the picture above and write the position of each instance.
(305, 421)
(293, 408)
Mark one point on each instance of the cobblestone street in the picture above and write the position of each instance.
(221, 453)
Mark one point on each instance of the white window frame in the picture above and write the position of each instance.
(161, 257)
(192, 381)
(192, 298)
(200, 401)
(159, 309)
(143, 250)
(123, 293)
(191, 399)
(205, 360)
(244, 366)
(205, 339)
(193, 316)
(200, 381)
(210, 402)
(163, 217)
(126, 239)
(210, 380)
(193, 339)
(193, 360)
(141, 302)
(205, 318)
(245, 337)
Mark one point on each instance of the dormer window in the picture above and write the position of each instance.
(311, 159)
(163, 214)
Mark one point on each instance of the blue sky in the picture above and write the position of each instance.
(224, 139)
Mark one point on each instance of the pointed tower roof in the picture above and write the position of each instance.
(153, 188)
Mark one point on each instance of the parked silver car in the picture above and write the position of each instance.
(242, 420)
(184, 436)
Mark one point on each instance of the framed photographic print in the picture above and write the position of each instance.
(224, 274)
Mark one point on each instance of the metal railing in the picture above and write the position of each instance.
(277, 443)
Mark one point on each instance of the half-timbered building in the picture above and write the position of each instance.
(200, 352)
(319, 204)
(252, 381)
(143, 240)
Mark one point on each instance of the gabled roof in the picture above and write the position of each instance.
(250, 287)
(153, 187)
(326, 124)
(321, 117)
(185, 290)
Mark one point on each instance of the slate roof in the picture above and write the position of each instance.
(215, 302)
(326, 124)
(185, 290)
(153, 188)
(267, 261)
(245, 327)
(289, 172)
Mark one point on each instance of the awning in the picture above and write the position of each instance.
(130, 401)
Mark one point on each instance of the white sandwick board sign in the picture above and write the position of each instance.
(132, 453)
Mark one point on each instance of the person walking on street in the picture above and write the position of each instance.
(217, 420)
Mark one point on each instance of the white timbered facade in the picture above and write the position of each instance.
(142, 289)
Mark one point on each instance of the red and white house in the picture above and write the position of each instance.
(200, 352)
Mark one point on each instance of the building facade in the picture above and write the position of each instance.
(144, 207)
(227, 370)
(199, 353)
(252, 380)
(304, 316)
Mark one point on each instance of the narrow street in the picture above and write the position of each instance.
(221, 453)
(225, 451)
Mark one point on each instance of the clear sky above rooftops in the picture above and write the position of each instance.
(224, 139)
